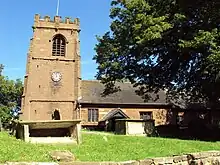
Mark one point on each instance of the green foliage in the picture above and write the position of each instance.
(167, 44)
(1, 68)
(10, 97)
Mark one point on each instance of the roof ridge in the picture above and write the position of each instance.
(126, 82)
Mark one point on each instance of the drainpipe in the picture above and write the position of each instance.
(80, 111)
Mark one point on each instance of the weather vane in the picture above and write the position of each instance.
(58, 5)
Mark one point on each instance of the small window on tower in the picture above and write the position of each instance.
(59, 45)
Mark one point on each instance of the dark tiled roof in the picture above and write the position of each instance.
(115, 113)
(92, 93)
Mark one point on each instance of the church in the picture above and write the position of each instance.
(54, 89)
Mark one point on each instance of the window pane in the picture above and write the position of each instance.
(93, 115)
(89, 115)
(146, 115)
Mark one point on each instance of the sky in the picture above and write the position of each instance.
(17, 18)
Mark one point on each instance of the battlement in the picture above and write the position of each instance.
(56, 22)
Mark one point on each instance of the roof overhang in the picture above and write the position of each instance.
(110, 104)
(118, 113)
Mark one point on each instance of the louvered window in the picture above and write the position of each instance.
(59, 45)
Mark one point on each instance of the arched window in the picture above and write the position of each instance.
(59, 45)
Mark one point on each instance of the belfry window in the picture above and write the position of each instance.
(59, 45)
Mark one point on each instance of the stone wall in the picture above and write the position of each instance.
(159, 115)
(202, 158)
(42, 95)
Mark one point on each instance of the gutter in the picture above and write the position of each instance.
(165, 104)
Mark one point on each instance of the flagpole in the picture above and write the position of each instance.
(58, 5)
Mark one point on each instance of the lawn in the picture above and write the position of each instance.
(97, 148)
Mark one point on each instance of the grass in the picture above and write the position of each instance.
(96, 148)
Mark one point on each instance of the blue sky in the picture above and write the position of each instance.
(17, 19)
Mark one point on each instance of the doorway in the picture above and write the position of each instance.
(111, 117)
(56, 115)
(112, 123)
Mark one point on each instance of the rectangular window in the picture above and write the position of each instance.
(146, 115)
(93, 115)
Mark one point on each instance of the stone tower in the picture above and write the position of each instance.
(52, 80)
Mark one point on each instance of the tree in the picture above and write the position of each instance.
(10, 97)
(1, 68)
(158, 45)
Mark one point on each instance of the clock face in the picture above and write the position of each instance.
(56, 76)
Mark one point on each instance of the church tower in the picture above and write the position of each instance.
(52, 80)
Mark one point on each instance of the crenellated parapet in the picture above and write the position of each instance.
(57, 22)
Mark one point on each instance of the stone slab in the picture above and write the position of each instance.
(62, 156)
(131, 162)
(49, 124)
(146, 162)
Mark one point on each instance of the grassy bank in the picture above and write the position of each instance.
(102, 148)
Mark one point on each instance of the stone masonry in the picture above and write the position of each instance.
(41, 95)
(202, 158)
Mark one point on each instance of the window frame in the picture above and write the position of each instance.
(93, 114)
(143, 113)
(59, 45)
